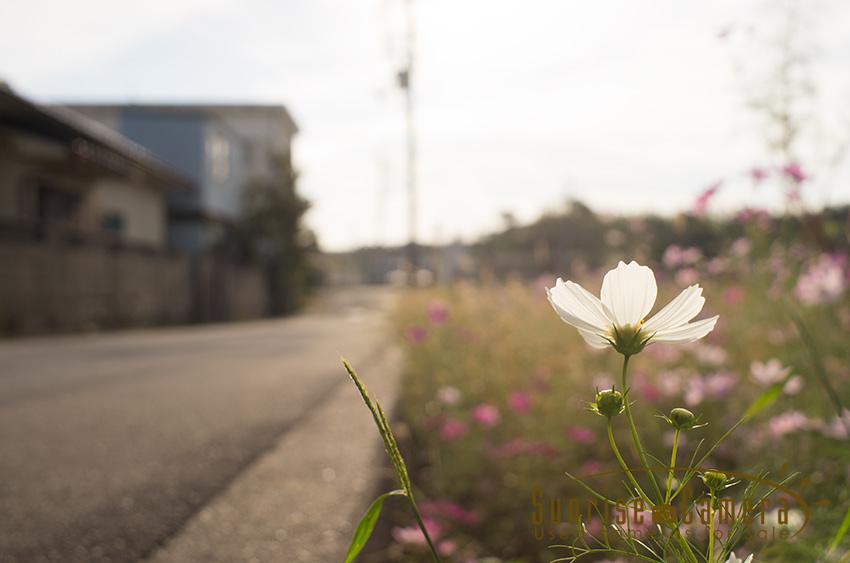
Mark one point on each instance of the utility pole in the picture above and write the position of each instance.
(405, 81)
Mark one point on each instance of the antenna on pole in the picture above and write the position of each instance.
(405, 82)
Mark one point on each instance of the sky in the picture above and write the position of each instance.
(520, 105)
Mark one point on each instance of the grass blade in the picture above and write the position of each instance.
(842, 531)
(367, 525)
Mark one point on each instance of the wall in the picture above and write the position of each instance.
(177, 140)
(61, 287)
(142, 207)
(267, 131)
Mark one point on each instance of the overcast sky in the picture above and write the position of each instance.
(628, 106)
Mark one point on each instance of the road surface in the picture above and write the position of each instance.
(110, 444)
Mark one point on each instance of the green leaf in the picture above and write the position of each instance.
(367, 525)
(763, 401)
(842, 531)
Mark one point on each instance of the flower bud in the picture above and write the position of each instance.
(609, 402)
(714, 479)
(682, 419)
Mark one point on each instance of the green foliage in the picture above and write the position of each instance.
(575, 238)
(500, 340)
(367, 525)
(271, 233)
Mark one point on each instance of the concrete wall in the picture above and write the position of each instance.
(59, 287)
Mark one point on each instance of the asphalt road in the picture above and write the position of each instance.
(109, 444)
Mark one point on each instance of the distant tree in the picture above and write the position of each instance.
(271, 233)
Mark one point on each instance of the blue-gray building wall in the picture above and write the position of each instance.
(178, 140)
(186, 142)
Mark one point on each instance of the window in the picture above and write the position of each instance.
(218, 156)
(113, 223)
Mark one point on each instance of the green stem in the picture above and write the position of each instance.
(633, 429)
(421, 524)
(623, 465)
(672, 467)
(711, 530)
(819, 370)
(684, 543)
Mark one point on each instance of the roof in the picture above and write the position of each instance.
(83, 135)
(207, 109)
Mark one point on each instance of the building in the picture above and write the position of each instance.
(64, 175)
(220, 148)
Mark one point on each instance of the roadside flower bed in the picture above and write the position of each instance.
(495, 397)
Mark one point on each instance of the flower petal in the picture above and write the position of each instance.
(629, 291)
(679, 311)
(578, 307)
(594, 339)
(687, 332)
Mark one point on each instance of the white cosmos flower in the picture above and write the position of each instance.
(618, 317)
(734, 559)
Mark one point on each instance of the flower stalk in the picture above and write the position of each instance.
(669, 488)
(623, 465)
(635, 437)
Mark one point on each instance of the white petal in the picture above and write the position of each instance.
(687, 332)
(679, 311)
(629, 291)
(578, 307)
(594, 339)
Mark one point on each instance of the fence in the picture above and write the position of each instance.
(62, 286)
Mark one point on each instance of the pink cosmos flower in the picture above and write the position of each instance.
(412, 535)
(590, 467)
(670, 383)
(449, 395)
(741, 247)
(837, 428)
(793, 385)
(714, 386)
(795, 172)
(672, 256)
(769, 372)
(450, 510)
(486, 415)
(702, 200)
(719, 385)
(520, 446)
(711, 355)
(594, 526)
(453, 429)
(687, 276)
(438, 312)
(417, 335)
(581, 434)
(717, 266)
(663, 353)
(787, 423)
(733, 295)
(758, 217)
(758, 174)
(519, 402)
(646, 389)
(824, 281)
(447, 547)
